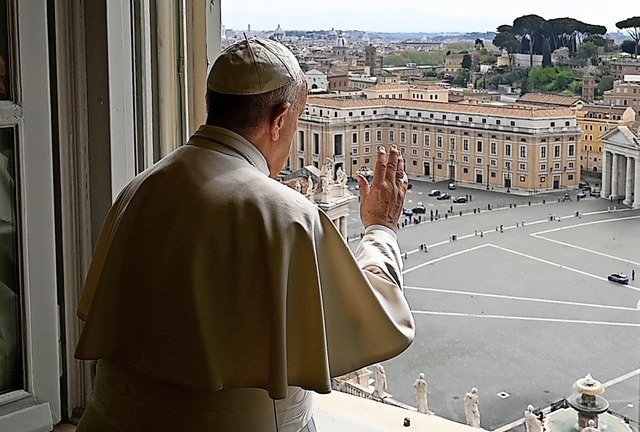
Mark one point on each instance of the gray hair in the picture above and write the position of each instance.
(248, 112)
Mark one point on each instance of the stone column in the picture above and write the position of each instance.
(628, 184)
(605, 187)
(636, 186)
(614, 176)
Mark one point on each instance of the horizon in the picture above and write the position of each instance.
(457, 16)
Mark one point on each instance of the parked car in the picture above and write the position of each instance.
(434, 192)
(460, 199)
(584, 186)
(365, 171)
(595, 192)
(443, 196)
(419, 209)
(452, 186)
(581, 194)
(407, 212)
(619, 278)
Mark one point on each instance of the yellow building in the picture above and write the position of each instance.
(422, 92)
(453, 62)
(528, 148)
(595, 121)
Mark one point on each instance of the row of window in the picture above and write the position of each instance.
(600, 128)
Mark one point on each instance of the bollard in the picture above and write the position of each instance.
(474, 211)
(460, 212)
(475, 232)
(522, 223)
(496, 228)
(501, 229)
(421, 246)
(544, 201)
(454, 237)
(481, 233)
(510, 206)
(577, 213)
(446, 216)
(514, 205)
(517, 224)
(488, 206)
(529, 202)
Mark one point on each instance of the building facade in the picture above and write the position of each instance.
(625, 92)
(596, 120)
(621, 165)
(525, 148)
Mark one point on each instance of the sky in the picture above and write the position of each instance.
(426, 16)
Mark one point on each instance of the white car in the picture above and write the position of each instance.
(365, 171)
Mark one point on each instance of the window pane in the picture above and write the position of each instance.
(4, 53)
(10, 333)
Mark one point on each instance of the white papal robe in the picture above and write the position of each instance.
(210, 276)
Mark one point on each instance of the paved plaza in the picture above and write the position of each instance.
(519, 313)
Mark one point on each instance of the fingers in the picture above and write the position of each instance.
(381, 166)
(363, 186)
(392, 164)
(401, 175)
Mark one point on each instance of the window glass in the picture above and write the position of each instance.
(5, 76)
(10, 333)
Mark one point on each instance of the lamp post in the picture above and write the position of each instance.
(487, 176)
(433, 169)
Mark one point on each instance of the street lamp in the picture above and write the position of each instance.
(487, 176)
(433, 168)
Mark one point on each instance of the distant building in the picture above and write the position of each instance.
(528, 148)
(317, 80)
(453, 63)
(621, 67)
(625, 92)
(524, 60)
(550, 100)
(588, 88)
(422, 92)
(595, 120)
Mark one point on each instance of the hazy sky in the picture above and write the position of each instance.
(415, 15)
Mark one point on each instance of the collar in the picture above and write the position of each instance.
(228, 142)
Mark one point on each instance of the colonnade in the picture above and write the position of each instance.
(621, 177)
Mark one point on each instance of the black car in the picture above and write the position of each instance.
(620, 278)
(460, 199)
(443, 196)
(419, 209)
(434, 192)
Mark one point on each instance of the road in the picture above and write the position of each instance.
(523, 312)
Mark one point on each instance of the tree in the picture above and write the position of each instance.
(506, 39)
(546, 53)
(629, 46)
(466, 61)
(632, 27)
(587, 50)
(530, 27)
(606, 83)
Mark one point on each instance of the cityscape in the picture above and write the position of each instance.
(521, 146)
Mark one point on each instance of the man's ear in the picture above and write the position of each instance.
(278, 119)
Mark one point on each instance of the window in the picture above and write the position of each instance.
(391, 136)
(507, 165)
(512, 123)
(403, 150)
(571, 150)
(414, 138)
(452, 143)
(553, 124)
(378, 135)
(300, 163)
(338, 147)
(478, 146)
(556, 151)
(316, 143)
(543, 167)
(465, 145)
(493, 174)
(479, 161)
(493, 162)
(414, 152)
(556, 165)
(543, 152)
(523, 152)
(426, 153)
(439, 155)
(507, 149)
(403, 137)
(354, 151)
(439, 141)
(427, 140)
(367, 136)
(569, 176)
(300, 140)
(523, 166)
(465, 158)
(494, 148)
(497, 122)
(465, 170)
(367, 150)
(354, 137)
(570, 165)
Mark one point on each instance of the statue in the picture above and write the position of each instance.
(421, 394)
(309, 186)
(592, 427)
(327, 168)
(471, 408)
(324, 184)
(531, 421)
(381, 381)
(341, 177)
(298, 186)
